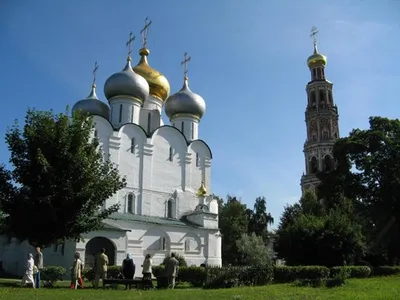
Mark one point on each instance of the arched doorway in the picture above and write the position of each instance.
(93, 247)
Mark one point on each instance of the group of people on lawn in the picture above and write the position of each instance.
(34, 266)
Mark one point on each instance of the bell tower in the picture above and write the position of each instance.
(321, 118)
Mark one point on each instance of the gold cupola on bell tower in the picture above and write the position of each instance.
(159, 85)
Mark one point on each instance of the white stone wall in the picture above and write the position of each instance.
(151, 175)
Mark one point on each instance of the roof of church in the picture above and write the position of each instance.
(148, 219)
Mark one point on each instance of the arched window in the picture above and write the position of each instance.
(163, 243)
(170, 209)
(171, 154)
(133, 145)
(328, 163)
(131, 204)
(313, 165)
(187, 245)
(120, 113)
(148, 122)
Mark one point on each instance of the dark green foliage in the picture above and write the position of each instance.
(194, 275)
(59, 179)
(284, 274)
(386, 270)
(259, 219)
(353, 271)
(233, 222)
(369, 171)
(228, 277)
(51, 274)
(112, 272)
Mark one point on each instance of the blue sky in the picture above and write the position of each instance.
(248, 63)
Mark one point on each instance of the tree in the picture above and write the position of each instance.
(58, 181)
(233, 223)
(259, 219)
(311, 235)
(253, 249)
(369, 172)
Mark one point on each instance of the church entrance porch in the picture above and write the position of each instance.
(93, 247)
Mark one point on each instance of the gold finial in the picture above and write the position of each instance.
(129, 44)
(185, 64)
(202, 191)
(94, 74)
(145, 31)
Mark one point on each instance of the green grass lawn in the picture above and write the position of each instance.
(386, 288)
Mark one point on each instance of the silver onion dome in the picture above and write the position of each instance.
(185, 102)
(92, 105)
(126, 83)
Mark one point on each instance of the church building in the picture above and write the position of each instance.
(167, 204)
(321, 121)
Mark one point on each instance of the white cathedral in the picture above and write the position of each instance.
(166, 205)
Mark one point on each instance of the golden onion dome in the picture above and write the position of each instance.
(316, 59)
(202, 191)
(159, 85)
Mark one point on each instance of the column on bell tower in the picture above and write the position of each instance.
(321, 119)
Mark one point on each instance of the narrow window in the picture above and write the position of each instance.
(148, 122)
(171, 154)
(95, 133)
(319, 73)
(130, 204)
(192, 131)
(169, 209)
(163, 243)
(55, 248)
(187, 245)
(132, 111)
(183, 127)
(120, 113)
(132, 145)
(314, 72)
(63, 248)
(197, 160)
(111, 112)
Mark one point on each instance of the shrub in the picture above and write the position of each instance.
(285, 274)
(196, 276)
(227, 277)
(180, 258)
(386, 270)
(112, 272)
(51, 274)
(353, 271)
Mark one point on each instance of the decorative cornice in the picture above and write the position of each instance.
(207, 162)
(148, 149)
(188, 157)
(115, 142)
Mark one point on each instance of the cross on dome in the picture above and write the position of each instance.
(185, 64)
(129, 44)
(144, 32)
(96, 67)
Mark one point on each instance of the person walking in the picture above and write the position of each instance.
(147, 271)
(27, 279)
(172, 268)
(100, 267)
(38, 260)
(76, 272)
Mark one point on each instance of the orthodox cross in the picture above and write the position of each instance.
(94, 72)
(129, 43)
(185, 63)
(145, 31)
(314, 32)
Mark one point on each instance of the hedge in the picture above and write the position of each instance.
(284, 274)
(386, 270)
(352, 271)
(51, 274)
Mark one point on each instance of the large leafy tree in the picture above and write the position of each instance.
(369, 172)
(253, 249)
(59, 179)
(308, 234)
(259, 219)
(233, 223)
